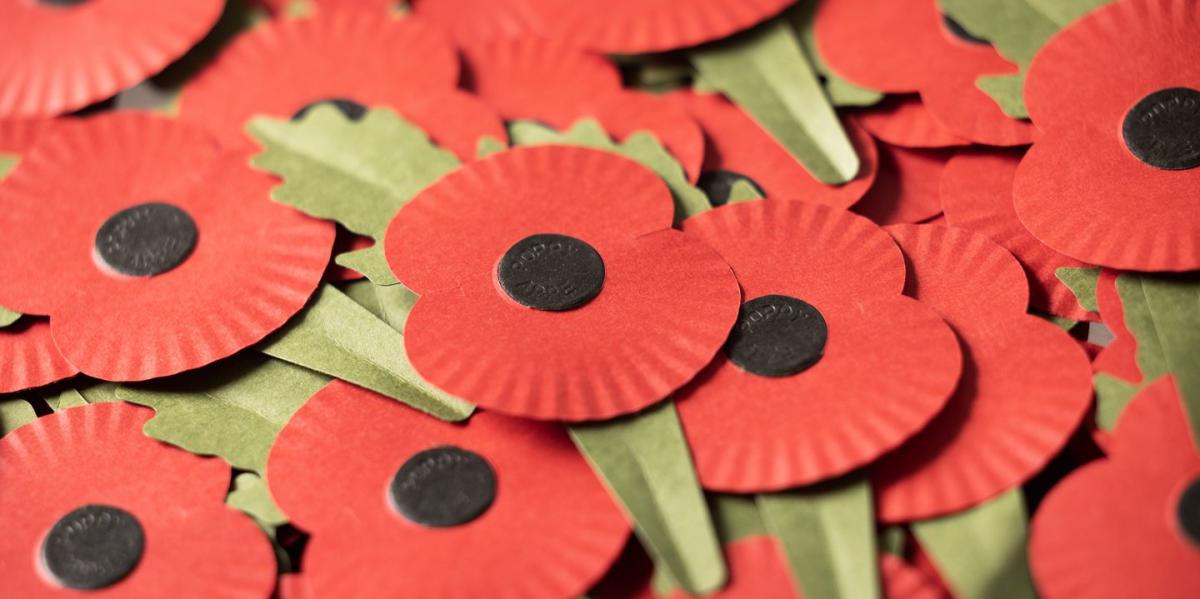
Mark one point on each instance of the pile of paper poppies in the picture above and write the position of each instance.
(551, 299)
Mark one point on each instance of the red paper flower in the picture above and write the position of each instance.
(558, 84)
(28, 357)
(474, 22)
(902, 120)
(17, 136)
(151, 252)
(976, 190)
(400, 504)
(857, 368)
(737, 146)
(157, 513)
(903, 46)
(906, 189)
(1128, 526)
(1120, 83)
(356, 59)
(1025, 387)
(642, 26)
(626, 310)
(56, 57)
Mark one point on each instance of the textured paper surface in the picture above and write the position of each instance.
(15, 412)
(8, 317)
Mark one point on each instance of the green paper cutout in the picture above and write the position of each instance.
(645, 462)
(742, 191)
(251, 496)
(396, 301)
(489, 145)
(642, 147)
(87, 392)
(69, 398)
(766, 72)
(1113, 394)
(1174, 303)
(1064, 12)
(362, 292)
(840, 91)
(1008, 91)
(1082, 282)
(336, 336)
(828, 535)
(358, 173)
(892, 539)
(8, 317)
(735, 517)
(233, 409)
(981, 552)
(15, 413)
(7, 163)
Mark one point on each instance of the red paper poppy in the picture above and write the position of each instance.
(282, 67)
(1126, 526)
(615, 354)
(1026, 383)
(906, 189)
(1119, 357)
(976, 190)
(1081, 190)
(737, 144)
(59, 58)
(474, 22)
(17, 136)
(902, 120)
(193, 545)
(902, 47)
(643, 26)
(354, 469)
(227, 265)
(28, 357)
(887, 364)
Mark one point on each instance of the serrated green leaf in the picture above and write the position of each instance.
(766, 72)
(1174, 303)
(252, 497)
(15, 413)
(358, 173)
(1082, 282)
(336, 336)
(1064, 12)
(742, 191)
(1008, 91)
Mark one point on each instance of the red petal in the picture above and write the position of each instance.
(906, 190)
(1119, 358)
(29, 358)
(903, 120)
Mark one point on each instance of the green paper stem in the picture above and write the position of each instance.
(15, 413)
(1082, 282)
(645, 462)
(980, 552)
(736, 517)
(1174, 304)
(251, 496)
(828, 535)
(336, 336)
(766, 72)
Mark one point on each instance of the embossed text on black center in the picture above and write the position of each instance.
(777, 335)
(1163, 129)
(146, 239)
(93, 547)
(551, 272)
(444, 486)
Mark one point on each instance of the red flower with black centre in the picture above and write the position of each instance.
(352, 58)
(57, 56)
(1115, 180)
(400, 504)
(122, 516)
(1025, 387)
(150, 250)
(906, 46)
(1128, 526)
(840, 367)
(553, 287)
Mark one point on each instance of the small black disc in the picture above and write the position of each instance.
(551, 272)
(93, 547)
(718, 185)
(444, 486)
(1163, 129)
(1189, 512)
(777, 335)
(146, 240)
(959, 32)
(351, 109)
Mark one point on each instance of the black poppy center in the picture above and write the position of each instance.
(93, 547)
(718, 185)
(777, 335)
(960, 33)
(1163, 129)
(351, 109)
(146, 240)
(551, 272)
(444, 486)
(1189, 512)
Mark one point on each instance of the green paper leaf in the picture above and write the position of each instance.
(233, 409)
(1174, 303)
(1082, 282)
(742, 191)
(766, 72)
(86, 392)
(358, 173)
(70, 398)
(8, 317)
(735, 517)
(362, 292)
(645, 462)
(980, 552)
(1065, 11)
(251, 496)
(15, 413)
(840, 91)
(1008, 91)
(7, 163)
(892, 540)
(336, 336)
(489, 145)
(642, 147)
(828, 534)
(1113, 394)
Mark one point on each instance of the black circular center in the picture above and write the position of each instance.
(777, 335)
(351, 109)
(551, 272)
(960, 33)
(146, 240)
(444, 486)
(718, 185)
(93, 547)
(1189, 512)
(1163, 129)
